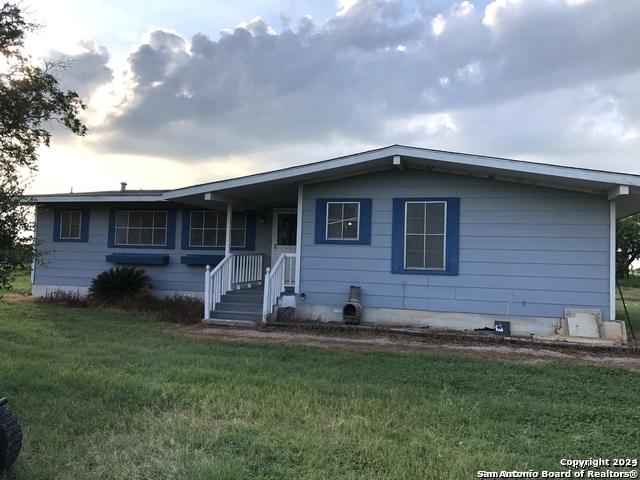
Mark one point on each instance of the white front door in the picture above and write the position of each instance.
(285, 223)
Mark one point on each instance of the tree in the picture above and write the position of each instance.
(627, 244)
(30, 100)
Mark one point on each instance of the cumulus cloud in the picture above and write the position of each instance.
(383, 72)
(86, 71)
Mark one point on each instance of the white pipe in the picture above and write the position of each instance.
(612, 260)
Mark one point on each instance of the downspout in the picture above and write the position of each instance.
(299, 237)
(612, 260)
(612, 194)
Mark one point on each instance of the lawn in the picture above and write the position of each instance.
(20, 283)
(631, 292)
(106, 395)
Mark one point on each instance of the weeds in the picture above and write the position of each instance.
(176, 309)
(65, 299)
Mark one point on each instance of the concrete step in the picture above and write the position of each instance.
(253, 298)
(229, 323)
(246, 316)
(238, 307)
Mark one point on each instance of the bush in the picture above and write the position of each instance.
(120, 285)
(64, 298)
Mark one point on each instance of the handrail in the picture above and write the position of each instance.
(234, 269)
(214, 281)
(275, 281)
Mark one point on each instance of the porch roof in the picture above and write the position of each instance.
(280, 187)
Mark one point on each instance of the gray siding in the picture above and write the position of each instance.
(546, 247)
(77, 263)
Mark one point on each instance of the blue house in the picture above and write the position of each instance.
(432, 238)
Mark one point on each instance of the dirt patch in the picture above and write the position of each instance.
(18, 297)
(367, 342)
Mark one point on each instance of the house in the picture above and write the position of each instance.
(433, 238)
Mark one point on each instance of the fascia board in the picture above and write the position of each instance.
(91, 199)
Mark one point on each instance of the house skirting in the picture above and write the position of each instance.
(386, 317)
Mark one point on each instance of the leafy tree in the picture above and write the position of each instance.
(627, 244)
(30, 100)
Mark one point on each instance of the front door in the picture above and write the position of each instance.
(285, 231)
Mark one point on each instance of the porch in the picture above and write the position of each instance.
(237, 290)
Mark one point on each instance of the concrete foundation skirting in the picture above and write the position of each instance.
(386, 317)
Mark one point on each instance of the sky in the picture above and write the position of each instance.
(188, 92)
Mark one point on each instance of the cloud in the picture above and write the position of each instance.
(383, 72)
(86, 71)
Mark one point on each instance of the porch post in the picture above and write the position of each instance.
(227, 240)
(299, 238)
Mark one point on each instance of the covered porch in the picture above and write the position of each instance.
(260, 261)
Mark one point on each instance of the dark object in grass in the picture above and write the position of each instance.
(10, 436)
(117, 284)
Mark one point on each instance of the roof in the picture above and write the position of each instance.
(100, 197)
(280, 187)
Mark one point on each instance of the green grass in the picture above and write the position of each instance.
(21, 283)
(631, 292)
(103, 395)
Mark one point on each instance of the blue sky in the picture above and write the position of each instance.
(195, 91)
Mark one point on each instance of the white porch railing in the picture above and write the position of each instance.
(283, 274)
(232, 271)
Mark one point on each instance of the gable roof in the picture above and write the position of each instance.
(280, 187)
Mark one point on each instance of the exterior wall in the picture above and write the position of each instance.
(525, 251)
(72, 265)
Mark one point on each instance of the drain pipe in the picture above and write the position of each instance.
(508, 304)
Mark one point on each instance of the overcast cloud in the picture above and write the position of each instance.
(543, 80)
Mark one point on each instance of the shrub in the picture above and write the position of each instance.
(120, 285)
(64, 298)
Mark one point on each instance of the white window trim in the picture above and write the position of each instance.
(327, 222)
(62, 224)
(444, 234)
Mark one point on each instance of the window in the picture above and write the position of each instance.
(71, 226)
(344, 221)
(425, 236)
(207, 230)
(142, 228)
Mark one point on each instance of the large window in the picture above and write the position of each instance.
(425, 236)
(152, 228)
(209, 229)
(344, 221)
(141, 228)
(71, 226)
